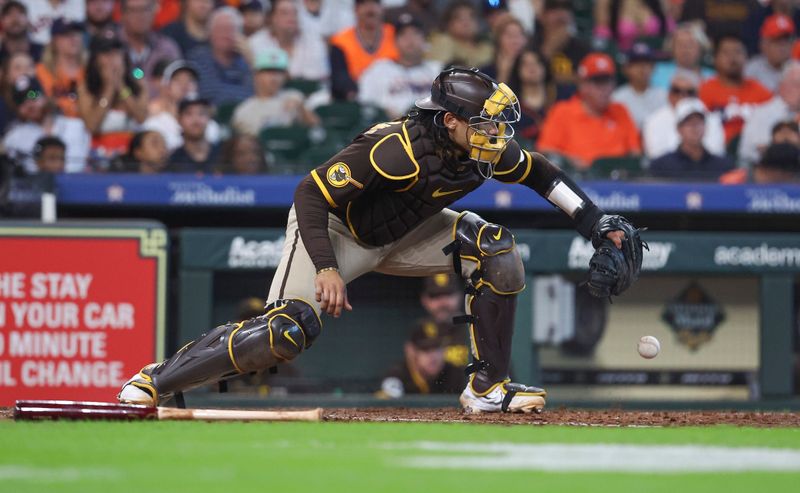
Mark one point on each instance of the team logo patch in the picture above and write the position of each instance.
(339, 175)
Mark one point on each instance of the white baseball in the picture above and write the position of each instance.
(649, 347)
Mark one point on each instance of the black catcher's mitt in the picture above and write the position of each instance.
(611, 270)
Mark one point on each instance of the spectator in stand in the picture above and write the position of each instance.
(532, 84)
(353, 50)
(49, 152)
(14, 32)
(111, 102)
(509, 40)
(623, 21)
(424, 11)
(224, 75)
(779, 165)
(308, 55)
(253, 17)
(492, 11)
(62, 66)
(784, 106)
(691, 161)
(687, 46)
(196, 155)
(759, 12)
(589, 125)
(146, 155)
(777, 37)
(15, 66)
(555, 38)
(394, 86)
(459, 42)
(242, 154)
(42, 13)
(179, 81)
(100, 18)
(786, 132)
(272, 105)
(37, 117)
(720, 17)
(424, 369)
(191, 30)
(145, 47)
(326, 17)
(730, 93)
(639, 97)
(659, 131)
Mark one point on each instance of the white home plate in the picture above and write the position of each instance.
(598, 457)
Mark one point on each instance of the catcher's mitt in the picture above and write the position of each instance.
(613, 270)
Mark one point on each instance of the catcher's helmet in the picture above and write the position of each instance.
(487, 106)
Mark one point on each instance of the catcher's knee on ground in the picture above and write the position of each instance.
(284, 331)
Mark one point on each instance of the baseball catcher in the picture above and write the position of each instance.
(380, 205)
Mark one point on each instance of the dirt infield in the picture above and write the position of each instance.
(569, 417)
(573, 417)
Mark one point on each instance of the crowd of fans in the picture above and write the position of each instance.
(668, 89)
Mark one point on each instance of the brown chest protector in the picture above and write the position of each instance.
(381, 216)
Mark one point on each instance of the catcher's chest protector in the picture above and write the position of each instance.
(492, 292)
(423, 184)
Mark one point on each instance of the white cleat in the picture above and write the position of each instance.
(503, 397)
(139, 390)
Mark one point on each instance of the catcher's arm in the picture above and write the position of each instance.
(617, 261)
(537, 173)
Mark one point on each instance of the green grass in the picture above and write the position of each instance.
(331, 457)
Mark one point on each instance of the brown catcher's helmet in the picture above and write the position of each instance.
(459, 90)
(487, 106)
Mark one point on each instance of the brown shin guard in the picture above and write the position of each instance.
(288, 327)
(491, 331)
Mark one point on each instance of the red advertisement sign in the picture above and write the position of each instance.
(78, 315)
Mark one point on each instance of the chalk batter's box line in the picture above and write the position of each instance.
(152, 244)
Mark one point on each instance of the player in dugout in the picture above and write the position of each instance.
(380, 205)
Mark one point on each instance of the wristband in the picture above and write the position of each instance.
(327, 269)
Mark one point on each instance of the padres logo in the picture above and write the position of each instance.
(338, 174)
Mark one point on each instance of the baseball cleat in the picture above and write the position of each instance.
(505, 397)
(139, 389)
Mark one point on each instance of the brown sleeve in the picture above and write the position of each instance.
(312, 209)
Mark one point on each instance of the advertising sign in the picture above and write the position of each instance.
(81, 309)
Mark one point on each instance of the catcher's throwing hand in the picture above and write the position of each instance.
(331, 292)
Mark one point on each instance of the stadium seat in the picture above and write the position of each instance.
(284, 145)
(303, 85)
(340, 115)
(615, 168)
(225, 113)
(347, 119)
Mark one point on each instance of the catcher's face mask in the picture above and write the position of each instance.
(492, 128)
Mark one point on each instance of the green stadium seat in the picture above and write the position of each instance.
(303, 85)
(341, 115)
(225, 113)
(284, 144)
(615, 168)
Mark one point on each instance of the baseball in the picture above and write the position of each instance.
(649, 347)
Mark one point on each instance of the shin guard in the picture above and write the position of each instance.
(491, 294)
(284, 331)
